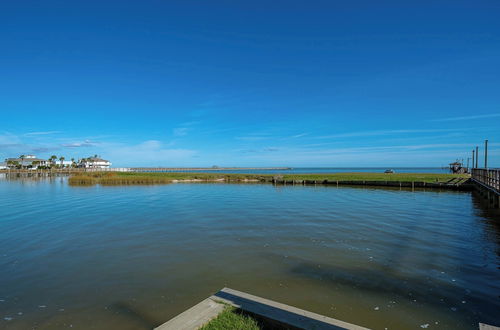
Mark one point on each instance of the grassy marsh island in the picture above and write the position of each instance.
(136, 178)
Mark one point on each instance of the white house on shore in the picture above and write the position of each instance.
(28, 161)
(64, 163)
(32, 162)
(94, 162)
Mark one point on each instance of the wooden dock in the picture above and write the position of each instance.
(487, 184)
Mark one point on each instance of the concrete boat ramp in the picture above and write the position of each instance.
(274, 313)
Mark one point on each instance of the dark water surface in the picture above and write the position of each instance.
(133, 257)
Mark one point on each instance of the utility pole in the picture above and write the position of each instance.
(486, 154)
(472, 158)
(477, 156)
(468, 158)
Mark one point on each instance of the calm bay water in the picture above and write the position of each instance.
(133, 257)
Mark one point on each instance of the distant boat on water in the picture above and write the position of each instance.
(389, 171)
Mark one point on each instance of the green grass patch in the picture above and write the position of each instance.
(134, 178)
(232, 319)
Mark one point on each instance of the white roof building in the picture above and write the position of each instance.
(29, 161)
(64, 162)
(95, 162)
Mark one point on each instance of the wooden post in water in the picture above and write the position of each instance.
(477, 156)
(486, 154)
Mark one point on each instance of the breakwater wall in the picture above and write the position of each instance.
(461, 186)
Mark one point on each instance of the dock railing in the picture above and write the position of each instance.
(488, 177)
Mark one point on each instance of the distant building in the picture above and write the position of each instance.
(3, 166)
(457, 168)
(94, 162)
(27, 162)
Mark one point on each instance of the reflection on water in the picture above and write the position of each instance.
(132, 257)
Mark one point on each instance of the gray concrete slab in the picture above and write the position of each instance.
(268, 310)
(281, 313)
(195, 317)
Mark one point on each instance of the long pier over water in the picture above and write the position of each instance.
(191, 169)
(57, 171)
(140, 169)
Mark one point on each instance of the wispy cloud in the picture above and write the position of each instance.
(256, 136)
(9, 138)
(147, 153)
(41, 133)
(86, 143)
(361, 150)
(9, 146)
(10, 143)
(491, 115)
(266, 149)
(42, 149)
(438, 154)
(181, 131)
(299, 135)
(252, 138)
(184, 128)
(388, 132)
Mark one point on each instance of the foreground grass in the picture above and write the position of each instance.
(133, 178)
(230, 319)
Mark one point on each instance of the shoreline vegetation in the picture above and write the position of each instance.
(134, 178)
(230, 319)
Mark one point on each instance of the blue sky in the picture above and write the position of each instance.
(251, 83)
